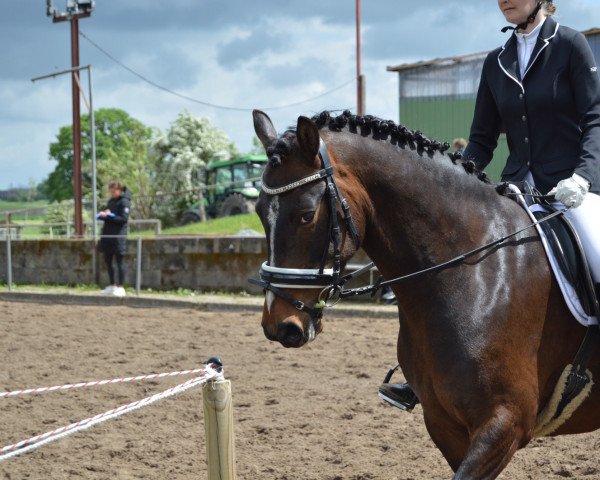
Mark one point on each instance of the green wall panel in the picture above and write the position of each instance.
(444, 119)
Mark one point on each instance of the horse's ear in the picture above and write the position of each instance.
(307, 134)
(263, 126)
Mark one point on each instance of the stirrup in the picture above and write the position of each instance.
(391, 371)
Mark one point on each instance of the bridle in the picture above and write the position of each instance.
(273, 278)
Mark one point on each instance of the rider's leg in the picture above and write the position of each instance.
(399, 395)
(586, 220)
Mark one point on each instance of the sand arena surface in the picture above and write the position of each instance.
(304, 414)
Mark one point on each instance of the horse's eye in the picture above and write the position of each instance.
(307, 218)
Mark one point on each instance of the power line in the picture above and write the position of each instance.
(202, 102)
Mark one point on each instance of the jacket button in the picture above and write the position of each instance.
(528, 164)
(520, 96)
(524, 117)
(526, 140)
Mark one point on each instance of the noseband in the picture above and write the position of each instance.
(274, 278)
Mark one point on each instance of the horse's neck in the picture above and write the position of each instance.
(424, 210)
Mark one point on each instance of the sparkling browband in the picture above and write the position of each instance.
(298, 183)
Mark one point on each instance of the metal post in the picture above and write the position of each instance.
(138, 267)
(9, 260)
(363, 96)
(93, 142)
(359, 92)
(77, 190)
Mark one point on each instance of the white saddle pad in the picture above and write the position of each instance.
(566, 288)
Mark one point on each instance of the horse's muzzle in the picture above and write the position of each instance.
(290, 335)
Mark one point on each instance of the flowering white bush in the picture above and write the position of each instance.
(181, 152)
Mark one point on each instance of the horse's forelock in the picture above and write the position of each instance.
(281, 148)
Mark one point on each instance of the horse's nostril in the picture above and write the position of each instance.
(290, 335)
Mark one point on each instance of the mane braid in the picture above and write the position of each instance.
(380, 129)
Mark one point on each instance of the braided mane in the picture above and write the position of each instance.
(379, 129)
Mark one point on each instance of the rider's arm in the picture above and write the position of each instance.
(486, 123)
(585, 83)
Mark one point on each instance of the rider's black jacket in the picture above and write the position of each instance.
(551, 116)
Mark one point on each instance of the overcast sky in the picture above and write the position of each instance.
(242, 53)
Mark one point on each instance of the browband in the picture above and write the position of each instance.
(298, 183)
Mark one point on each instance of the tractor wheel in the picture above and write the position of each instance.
(235, 204)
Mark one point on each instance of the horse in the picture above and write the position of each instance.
(483, 342)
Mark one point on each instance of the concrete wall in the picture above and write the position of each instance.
(199, 263)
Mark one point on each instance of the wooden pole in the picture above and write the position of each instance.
(218, 425)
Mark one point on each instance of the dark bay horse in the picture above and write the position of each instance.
(482, 343)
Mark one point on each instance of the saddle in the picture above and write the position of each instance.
(566, 246)
(575, 383)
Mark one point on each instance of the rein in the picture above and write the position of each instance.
(329, 280)
(373, 288)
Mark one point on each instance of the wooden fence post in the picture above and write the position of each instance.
(218, 425)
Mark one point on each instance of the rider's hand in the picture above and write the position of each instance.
(571, 191)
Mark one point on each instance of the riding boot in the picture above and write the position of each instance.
(397, 394)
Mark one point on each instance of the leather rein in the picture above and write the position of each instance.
(330, 280)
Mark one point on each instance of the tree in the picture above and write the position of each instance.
(121, 152)
(257, 147)
(181, 153)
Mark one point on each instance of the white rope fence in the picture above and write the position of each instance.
(96, 383)
(209, 373)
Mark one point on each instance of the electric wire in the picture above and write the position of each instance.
(203, 102)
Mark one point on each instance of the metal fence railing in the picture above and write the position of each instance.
(66, 229)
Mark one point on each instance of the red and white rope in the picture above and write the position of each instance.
(37, 441)
(97, 383)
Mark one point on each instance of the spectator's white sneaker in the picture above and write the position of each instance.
(110, 290)
(119, 292)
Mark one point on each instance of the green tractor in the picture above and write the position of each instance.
(231, 187)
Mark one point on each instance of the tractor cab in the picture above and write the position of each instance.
(231, 187)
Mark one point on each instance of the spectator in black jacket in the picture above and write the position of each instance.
(113, 240)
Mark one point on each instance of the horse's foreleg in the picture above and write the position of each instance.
(492, 446)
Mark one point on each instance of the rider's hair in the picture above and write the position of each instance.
(115, 184)
(548, 7)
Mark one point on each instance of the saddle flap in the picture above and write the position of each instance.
(565, 245)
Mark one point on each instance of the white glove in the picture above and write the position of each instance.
(571, 191)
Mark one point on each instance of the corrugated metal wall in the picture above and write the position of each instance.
(439, 100)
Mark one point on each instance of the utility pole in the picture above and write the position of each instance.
(360, 78)
(76, 9)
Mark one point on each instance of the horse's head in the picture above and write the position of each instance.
(309, 235)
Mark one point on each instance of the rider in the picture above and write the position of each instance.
(543, 87)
